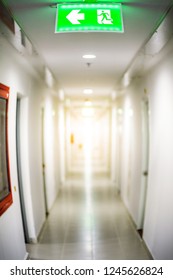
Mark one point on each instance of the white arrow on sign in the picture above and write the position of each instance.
(74, 17)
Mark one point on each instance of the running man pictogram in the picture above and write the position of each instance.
(104, 17)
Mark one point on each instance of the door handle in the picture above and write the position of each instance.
(145, 173)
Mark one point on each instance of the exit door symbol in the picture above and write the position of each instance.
(104, 17)
(85, 17)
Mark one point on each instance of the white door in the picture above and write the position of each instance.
(145, 155)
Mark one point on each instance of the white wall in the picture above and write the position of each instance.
(52, 163)
(11, 231)
(130, 165)
(158, 223)
(104, 132)
(113, 146)
(17, 72)
(11, 236)
(25, 167)
(158, 229)
(61, 132)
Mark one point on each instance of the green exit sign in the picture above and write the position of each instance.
(89, 17)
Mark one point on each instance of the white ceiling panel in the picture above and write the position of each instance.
(63, 52)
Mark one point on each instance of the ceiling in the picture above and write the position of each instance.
(62, 52)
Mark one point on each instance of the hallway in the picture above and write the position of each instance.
(86, 130)
(86, 224)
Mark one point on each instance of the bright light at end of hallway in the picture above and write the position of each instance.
(88, 91)
(88, 110)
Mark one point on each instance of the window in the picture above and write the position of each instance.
(5, 186)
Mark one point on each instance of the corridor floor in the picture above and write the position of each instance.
(88, 222)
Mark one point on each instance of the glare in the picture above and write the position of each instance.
(120, 111)
(87, 112)
(88, 91)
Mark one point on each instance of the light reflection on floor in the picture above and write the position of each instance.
(88, 222)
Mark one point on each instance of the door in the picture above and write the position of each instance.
(145, 156)
(43, 158)
(21, 190)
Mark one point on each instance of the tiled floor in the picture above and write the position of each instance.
(88, 222)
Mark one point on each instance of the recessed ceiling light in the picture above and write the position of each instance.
(88, 91)
(89, 56)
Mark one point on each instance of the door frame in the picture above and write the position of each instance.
(19, 170)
